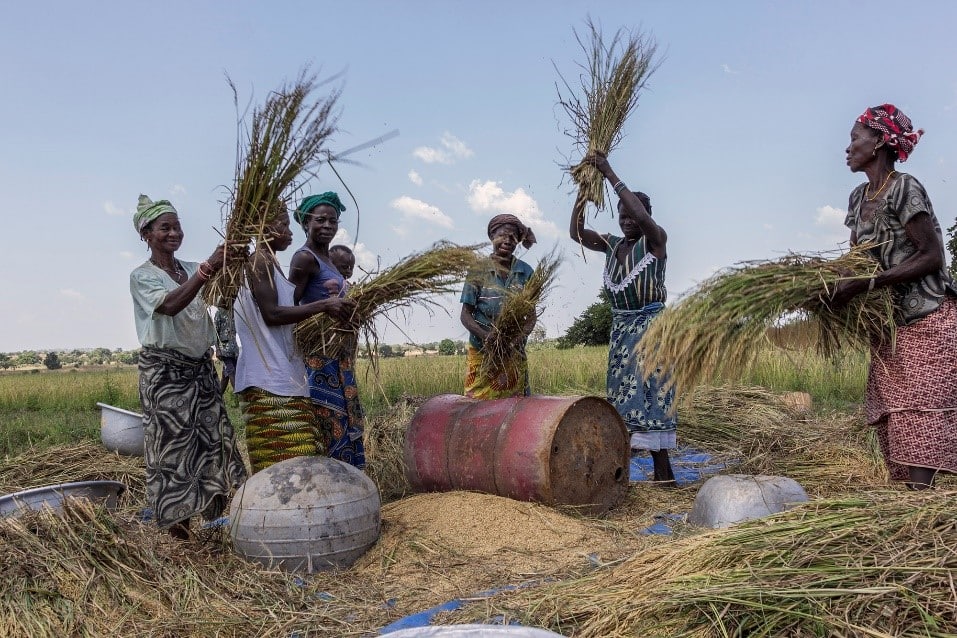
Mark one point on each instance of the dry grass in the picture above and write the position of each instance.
(384, 441)
(86, 461)
(281, 146)
(611, 79)
(415, 280)
(833, 567)
(879, 563)
(722, 326)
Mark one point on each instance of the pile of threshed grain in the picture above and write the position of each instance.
(720, 327)
(457, 544)
(282, 146)
(608, 88)
(876, 563)
(519, 308)
(415, 280)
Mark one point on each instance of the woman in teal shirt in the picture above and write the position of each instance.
(482, 298)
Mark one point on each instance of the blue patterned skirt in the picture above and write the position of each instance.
(644, 405)
(333, 389)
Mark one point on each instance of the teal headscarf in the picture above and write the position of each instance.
(147, 210)
(329, 198)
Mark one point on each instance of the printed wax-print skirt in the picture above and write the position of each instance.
(512, 382)
(280, 428)
(643, 405)
(912, 394)
(192, 462)
(332, 387)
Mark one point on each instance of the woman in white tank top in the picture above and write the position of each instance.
(270, 374)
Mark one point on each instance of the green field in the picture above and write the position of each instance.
(43, 408)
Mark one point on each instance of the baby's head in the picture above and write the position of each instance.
(343, 259)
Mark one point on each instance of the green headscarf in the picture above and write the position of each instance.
(147, 210)
(329, 198)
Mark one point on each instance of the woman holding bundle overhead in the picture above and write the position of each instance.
(192, 462)
(635, 280)
(332, 383)
(482, 298)
(911, 395)
(271, 381)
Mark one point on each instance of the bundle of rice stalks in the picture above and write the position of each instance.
(612, 78)
(519, 308)
(875, 564)
(719, 328)
(414, 280)
(284, 140)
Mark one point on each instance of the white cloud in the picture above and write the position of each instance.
(177, 190)
(830, 217)
(727, 69)
(401, 231)
(456, 146)
(365, 258)
(830, 220)
(489, 197)
(113, 209)
(71, 294)
(414, 208)
(452, 149)
(415, 178)
(125, 254)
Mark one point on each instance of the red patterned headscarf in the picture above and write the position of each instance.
(894, 127)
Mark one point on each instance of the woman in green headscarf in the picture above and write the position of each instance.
(192, 463)
(332, 382)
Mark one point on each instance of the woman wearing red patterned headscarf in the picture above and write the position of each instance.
(911, 395)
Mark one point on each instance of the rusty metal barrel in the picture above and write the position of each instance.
(552, 450)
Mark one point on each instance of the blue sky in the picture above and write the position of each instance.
(739, 138)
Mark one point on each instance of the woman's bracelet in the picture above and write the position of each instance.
(870, 284)
(620, 186)
(205, 275)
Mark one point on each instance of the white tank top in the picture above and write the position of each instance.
(268, 358)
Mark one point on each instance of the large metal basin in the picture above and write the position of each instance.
(53, 496)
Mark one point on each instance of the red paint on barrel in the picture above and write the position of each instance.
(553, 450)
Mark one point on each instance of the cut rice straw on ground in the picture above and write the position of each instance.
(517, 317)
(284, 141)
(876, 564)
(720, 327)
(415, 280)
(85, 461)
(609, 85)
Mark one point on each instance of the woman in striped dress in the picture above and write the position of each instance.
(634, 278)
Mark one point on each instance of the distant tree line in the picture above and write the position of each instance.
(57, 359)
